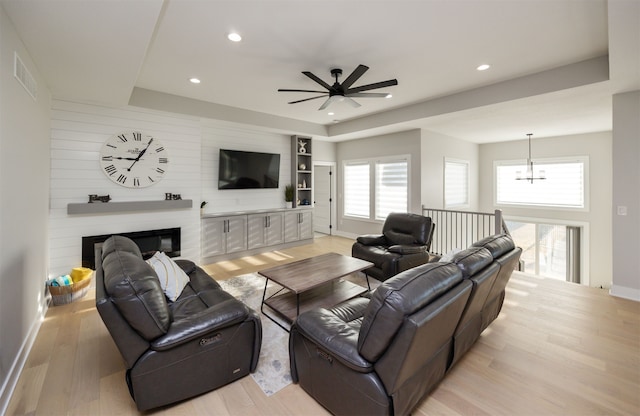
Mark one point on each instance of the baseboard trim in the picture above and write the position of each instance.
(625, 292)
(9, 385)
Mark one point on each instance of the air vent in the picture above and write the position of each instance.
(23, 76)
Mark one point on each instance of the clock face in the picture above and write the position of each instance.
(134, 159)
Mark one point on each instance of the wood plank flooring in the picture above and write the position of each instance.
(556, 349)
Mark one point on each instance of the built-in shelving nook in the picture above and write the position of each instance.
(302, 170)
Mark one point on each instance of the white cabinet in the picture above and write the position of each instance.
(298, 225)
(265, 229)
(223, 235)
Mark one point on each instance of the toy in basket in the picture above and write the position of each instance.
(69, 288)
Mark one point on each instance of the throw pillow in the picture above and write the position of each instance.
(172, 278)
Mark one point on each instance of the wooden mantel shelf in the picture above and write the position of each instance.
(130, 206)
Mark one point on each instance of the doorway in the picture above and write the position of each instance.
(323, 198)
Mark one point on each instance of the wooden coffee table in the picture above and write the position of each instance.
(311, 283)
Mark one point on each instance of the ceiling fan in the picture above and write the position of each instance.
(344, 92)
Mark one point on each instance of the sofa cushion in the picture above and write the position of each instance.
(172, 278)
(496, 244)
(399, 297)
(472, 260)
(406, 228)
(135, 290)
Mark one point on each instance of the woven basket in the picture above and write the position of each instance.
(61, 295)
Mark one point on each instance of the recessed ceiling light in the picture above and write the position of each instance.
(194, 80)
(330, 113)
(483, 67)
(234, 37)
(388, 96)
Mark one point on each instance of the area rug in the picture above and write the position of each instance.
(272, 373)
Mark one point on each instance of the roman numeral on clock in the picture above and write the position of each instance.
(159, 170)
(136, 181)
(122, 178)
(110, 169)
(163, 160)
(137, 136)
(150, 178)
(107, 158)
(159, 149)
(122, 138)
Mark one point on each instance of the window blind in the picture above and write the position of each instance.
(356, 189)
(456, 183)
(391, 188)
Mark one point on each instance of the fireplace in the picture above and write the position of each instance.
(166, 240)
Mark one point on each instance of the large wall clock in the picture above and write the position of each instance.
(134, 159)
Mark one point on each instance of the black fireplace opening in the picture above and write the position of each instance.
(166, 240)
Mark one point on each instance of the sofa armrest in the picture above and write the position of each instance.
(407, 249)
(334, 336)
(222, 315)
(372, 240)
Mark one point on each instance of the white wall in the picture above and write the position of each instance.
(597, 146)
(216, 136)
(24, 199)
(403, 143)
(626, 193)
(78, 132)
(435, 148)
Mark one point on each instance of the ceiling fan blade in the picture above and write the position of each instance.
(306, 99)
(372, 86)
(316, 79)
(367, 94)
(288, 90)
(351, 102)
(355, 75)
(326, 103)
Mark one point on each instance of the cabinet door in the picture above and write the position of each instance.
(256, 226)
(275, 224)
(306, 225)
(291, 220)
(213, 237)
(236, 234)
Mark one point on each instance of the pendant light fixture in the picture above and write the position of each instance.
(529, 176)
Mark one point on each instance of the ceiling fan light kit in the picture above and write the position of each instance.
(343, 92)
(529, 174)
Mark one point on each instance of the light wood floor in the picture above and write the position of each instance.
(556, 349)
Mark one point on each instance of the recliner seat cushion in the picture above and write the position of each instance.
(135, 290)
(399, 297)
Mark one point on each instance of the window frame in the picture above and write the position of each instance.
(541, 161)
(372, 162)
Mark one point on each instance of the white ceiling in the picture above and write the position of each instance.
(104, 51)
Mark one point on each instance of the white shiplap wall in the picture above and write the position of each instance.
(77, 134)
(78, 131)
(216, 136)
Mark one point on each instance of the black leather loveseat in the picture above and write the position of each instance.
(404, 243)
(383, 355)
(172, 350)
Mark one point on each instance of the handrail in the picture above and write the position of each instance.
(459, 229)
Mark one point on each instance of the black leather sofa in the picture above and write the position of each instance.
(403, 244)
(383, 355)
(172, 350)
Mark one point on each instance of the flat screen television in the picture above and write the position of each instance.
(245, 170)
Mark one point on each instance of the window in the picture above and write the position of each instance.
(391, 188)
(356, 189)
(456, 183)
(565, 186)
(375, 188)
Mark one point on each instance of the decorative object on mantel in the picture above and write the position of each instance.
(133, 159)
(202, 205)
(529, 176)
(302, 166)
(168, 196)
(103, 198)
(302, 147)
(288, 195)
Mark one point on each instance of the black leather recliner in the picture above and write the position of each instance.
(383, 355)
(404, 243)
(172, 350)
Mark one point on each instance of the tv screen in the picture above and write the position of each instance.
(243, 170)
